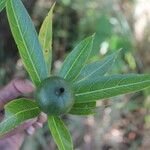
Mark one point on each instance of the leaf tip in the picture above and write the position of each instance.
(93, 35)
(53, 6)
(119, 51)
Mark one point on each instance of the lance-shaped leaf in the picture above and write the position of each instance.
(27, 40)
(60, 133)
(2, 4)
(98, 68)
(76, 60)
(16, 112)
(45, 38)
(83, 108)
(109, 86)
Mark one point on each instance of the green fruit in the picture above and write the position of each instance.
(55, 96)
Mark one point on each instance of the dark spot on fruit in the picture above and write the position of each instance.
(55, 96)
(60, 91)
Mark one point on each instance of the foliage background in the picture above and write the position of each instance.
(120, 123)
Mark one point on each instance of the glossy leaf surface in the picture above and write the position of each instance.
(45, 38)
(2, 4)
(98, 68)
(109, 86)
(27, 40)
(60, 133)
(76, 60)
(16, 112)
(83, 108)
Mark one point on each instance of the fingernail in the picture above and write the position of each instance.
(38, 125)
(30, 130)
(42, 118)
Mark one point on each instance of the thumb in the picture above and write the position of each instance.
(23, 86)
(14, 89)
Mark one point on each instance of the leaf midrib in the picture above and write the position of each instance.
(80, 94)
(88, 108)
(94, 71)
(13, 116)
(24, 43)
(58, 133)
(45, 36)
(75, 60)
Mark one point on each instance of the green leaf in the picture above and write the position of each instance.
(2, 5)
(98, 68)
(27, 40)
(16, 112)
(60, 133)
(76, 60)
(109, 86)
(45, 38)
(83, 108)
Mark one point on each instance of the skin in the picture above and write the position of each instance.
(14, 139)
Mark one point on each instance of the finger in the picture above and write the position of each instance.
(14, 89)
(40, 121)
(28, 126)
(12, 143)
(42, 118)
(30, 130)
(20, 128)
(23, 86)
(37, 125)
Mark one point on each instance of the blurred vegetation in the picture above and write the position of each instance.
(121, 123)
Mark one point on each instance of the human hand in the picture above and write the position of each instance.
(14, 139)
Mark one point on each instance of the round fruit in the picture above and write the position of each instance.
(55, 96)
